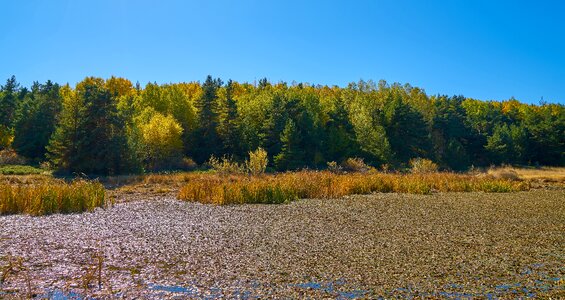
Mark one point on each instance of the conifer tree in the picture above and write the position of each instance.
(206, 138)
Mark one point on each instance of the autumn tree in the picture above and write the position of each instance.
(162, 137)
(88, 138)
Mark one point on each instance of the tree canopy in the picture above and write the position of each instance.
(110, 126)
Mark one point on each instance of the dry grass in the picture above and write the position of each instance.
(280, 188)
(51, 197)
(549, 173)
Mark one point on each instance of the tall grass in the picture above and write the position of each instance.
(280, 188)
(51, 197)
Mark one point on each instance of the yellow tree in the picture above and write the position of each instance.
(162, 140)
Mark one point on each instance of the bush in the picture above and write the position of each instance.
(6, 137)
(257, 163)
(19, 170)
(503, 173)
(225, 165)
(10, 157)
(334, 167)
(422, 165)
(355, 165)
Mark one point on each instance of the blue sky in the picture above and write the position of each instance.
(480, 49)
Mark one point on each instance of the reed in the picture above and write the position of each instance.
(285, 187)
(51, 197)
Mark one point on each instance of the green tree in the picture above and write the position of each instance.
(291, 156)
(407, 131)
(229, 124)
(9, 101)
(35, 120)
(89, 136)
(207, 142)
(340, 135)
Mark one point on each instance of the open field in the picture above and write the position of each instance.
(440, 245)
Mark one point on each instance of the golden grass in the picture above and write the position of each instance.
(549, 173)
(51, 196)
(285, 187)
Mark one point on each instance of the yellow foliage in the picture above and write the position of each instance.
(258, 160)
(6, 137)
(119, 87)
(162, 137)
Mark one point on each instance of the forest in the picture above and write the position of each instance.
(112, 126)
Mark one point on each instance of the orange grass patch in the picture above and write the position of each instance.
(285, 187)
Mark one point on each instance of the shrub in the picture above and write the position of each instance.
(355, 165)
(503, 173)
(19, 170)
(188, 164)
(6, 137)
(422, 165)
(257, 163)
(10, 157)
(225, 165)
(334, 167)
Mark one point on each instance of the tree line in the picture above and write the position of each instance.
(114, 127)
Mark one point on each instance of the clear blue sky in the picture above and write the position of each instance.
(481, 49)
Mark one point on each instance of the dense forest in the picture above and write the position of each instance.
(115, 127)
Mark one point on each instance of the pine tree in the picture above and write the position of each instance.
(274, 126)
(89, 138)
(291, 156)
(229, 126)
(206, 138)
(35, 120)
(339, 142)
(9, 101)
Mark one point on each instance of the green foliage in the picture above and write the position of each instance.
(9, 101)
(6, 137)
(89, 137)
(406, 130)
(35, 120)
(207, 141)
(111, 126)
(229, 127)
(291, 156)
(19, 170)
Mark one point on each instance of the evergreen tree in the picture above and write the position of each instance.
(406, 130)
(206, 138)
(339, 141)
(9, 101)
(274, 126)
(291, 156)
(35, 120)
(89, 138)
(229, 126)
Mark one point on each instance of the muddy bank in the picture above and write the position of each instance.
(442, 245)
